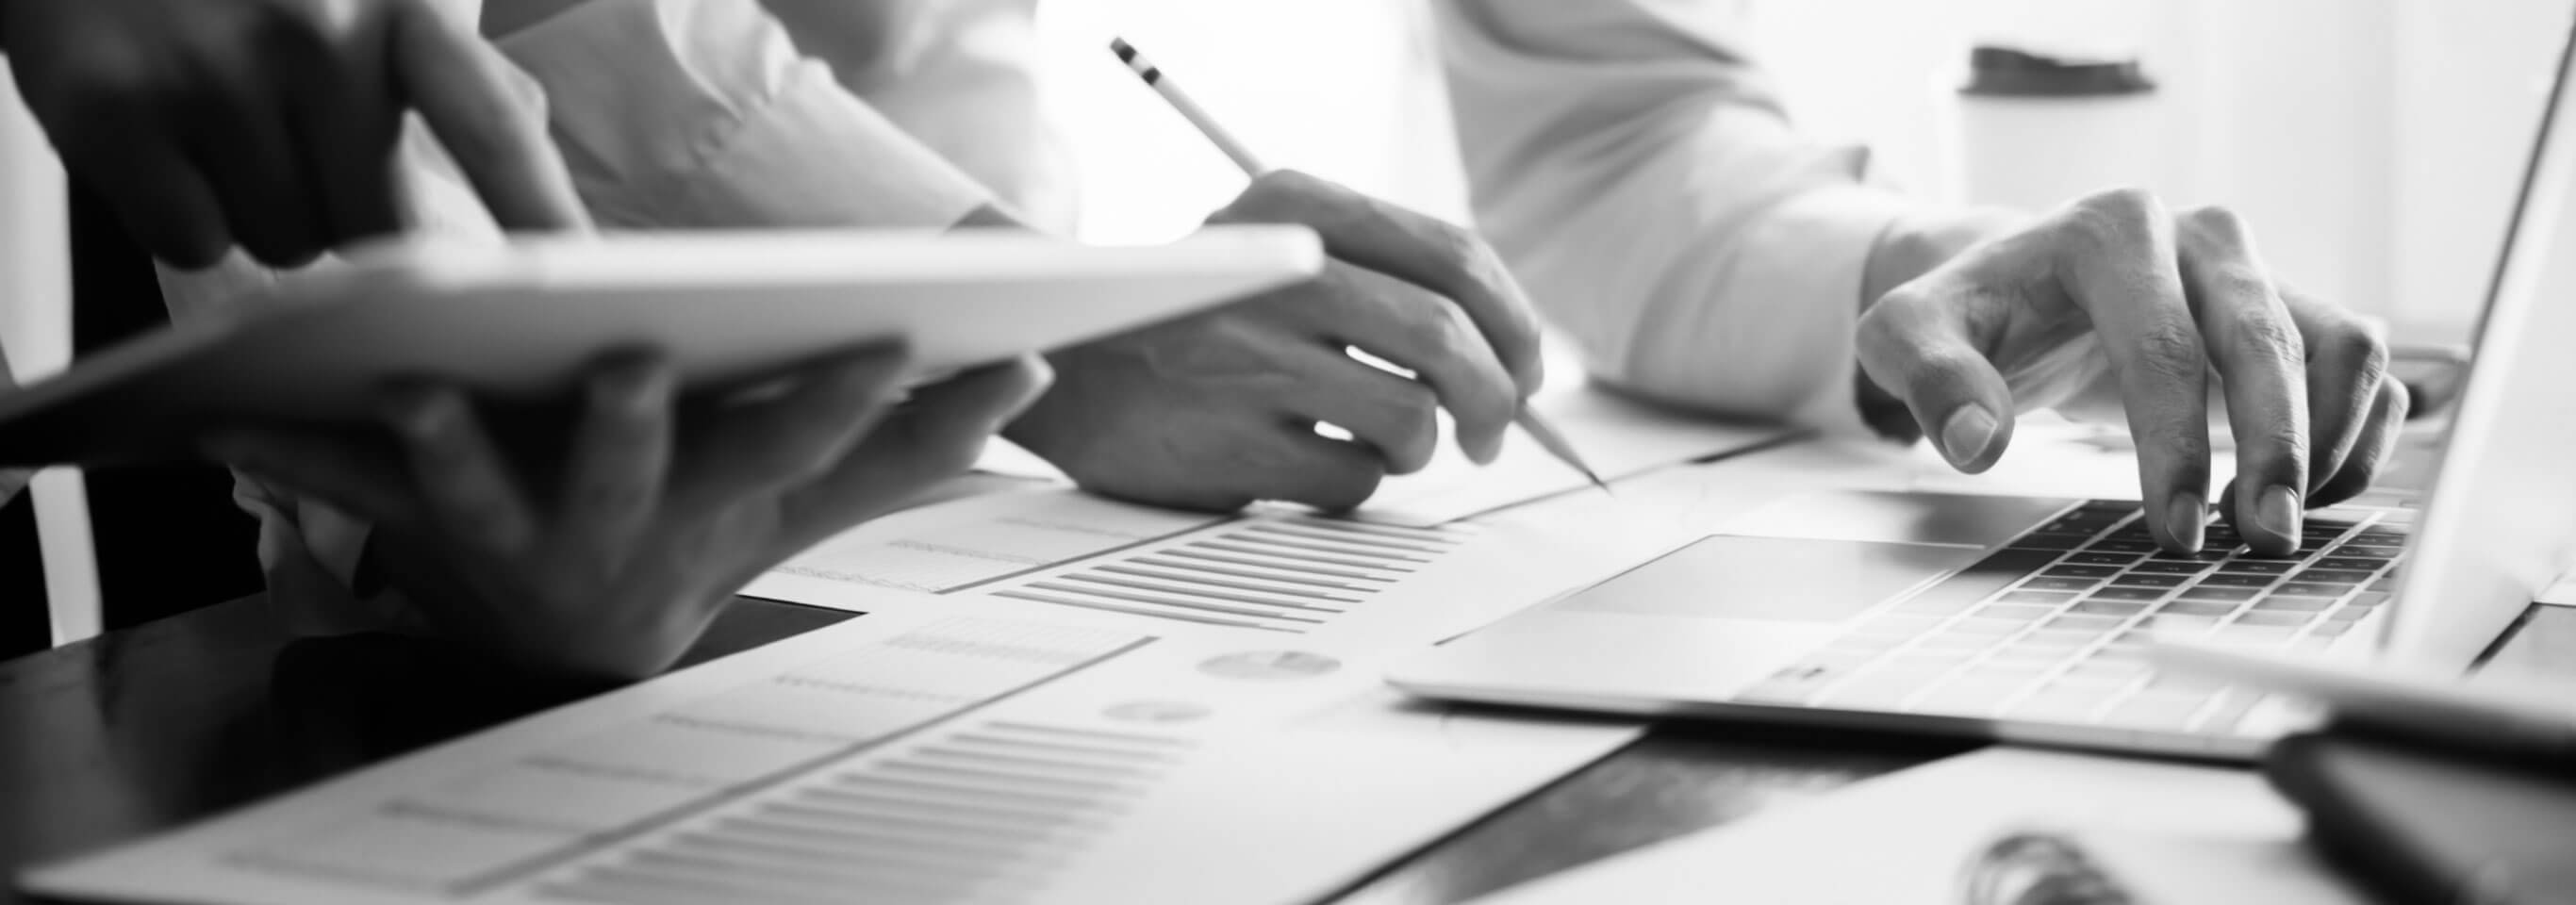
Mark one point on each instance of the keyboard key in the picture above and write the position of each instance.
(2148, 580)
(2084, 523)
(2044, 540)
(2312, 589)
(2262, 616)
(2331, 628)
(2076, 571)
(2093, 558)
(2191, 607)
(2207, 554)
(2117, 509)
(2038, 598)
(2219, 594)
(2116, 592)
(2072, 623)
(2233, 580)
(2345, 577)
(2172, 567)
(2355, 564)
(2121, 545)
(2163, 625)
(2254, 634)
(2361, 551)
(2017, 610)
(2256, 566)
(1986, 628)
(2120, 608)
(2294, 603)
(2348, 613)
(2052, 583)
(2368, 599)
(1980, 580)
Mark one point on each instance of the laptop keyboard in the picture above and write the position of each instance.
(2052, 627)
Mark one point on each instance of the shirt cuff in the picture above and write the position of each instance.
(700, 114)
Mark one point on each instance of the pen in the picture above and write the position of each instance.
(1547, 436)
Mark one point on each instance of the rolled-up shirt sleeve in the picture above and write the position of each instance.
(1644, 183)
(703, 114)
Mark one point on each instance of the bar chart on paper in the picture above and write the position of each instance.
(1270, 570)
(1288, 574)
(858, 763)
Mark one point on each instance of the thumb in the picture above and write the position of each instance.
(1919, 350)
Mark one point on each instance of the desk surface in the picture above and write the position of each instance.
(144, 729)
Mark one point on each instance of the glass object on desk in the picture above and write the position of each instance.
(2037, 868)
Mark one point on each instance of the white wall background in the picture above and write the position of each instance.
(2374, 144)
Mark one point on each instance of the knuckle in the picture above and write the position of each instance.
(2172, 350)
(2268, 335)
(2116, 215)
(2216, 222)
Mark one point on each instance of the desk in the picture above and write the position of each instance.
(143, 729)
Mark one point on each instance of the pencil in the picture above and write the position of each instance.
(1547, 436)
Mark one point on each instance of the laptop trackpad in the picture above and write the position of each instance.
(1781, 579)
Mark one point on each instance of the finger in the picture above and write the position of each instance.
(1915, 345)
(1328, 474)
(776, 444)
(2347, 362)
(620, 458)
(2382, 429)
(355, 477)
(347, 124)
(464, 486)
(1437, 256)
(1397, 417)
(936, 434)
(489, 115)
(2115, 258)
(2261, 366)
(1422, 332)
(242, 148)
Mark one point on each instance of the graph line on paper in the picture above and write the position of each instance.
(1273, 573)
(498, 823)
(961, 545)
(985, 812)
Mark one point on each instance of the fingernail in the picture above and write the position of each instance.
(2186, 519)
(2278, 512)
(1965, 435)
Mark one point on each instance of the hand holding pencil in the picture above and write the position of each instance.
(1502, 302)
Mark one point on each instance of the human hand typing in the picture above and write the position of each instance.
(1219, 410)
(602, 550)
(2115, 306)
(273, 123)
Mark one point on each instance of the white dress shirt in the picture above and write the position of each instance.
(1623, 155)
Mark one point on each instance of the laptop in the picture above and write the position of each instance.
(2026, 619)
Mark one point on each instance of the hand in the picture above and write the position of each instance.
(2114, 305)
(658, 510)
(273, 122)
(1219, 410)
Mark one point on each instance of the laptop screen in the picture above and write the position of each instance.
(2500, 523)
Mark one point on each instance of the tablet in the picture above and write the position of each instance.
(518, 321)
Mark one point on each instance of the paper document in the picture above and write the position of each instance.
(1617, 436)
(1908, 838)
(907, 756)
(1271, 571)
